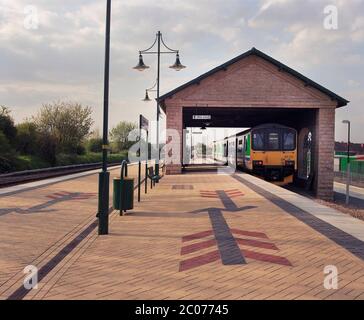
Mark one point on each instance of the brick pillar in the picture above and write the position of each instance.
(325, 149)
(174, 121)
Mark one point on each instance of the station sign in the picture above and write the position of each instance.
(143, 123)
(201, 117)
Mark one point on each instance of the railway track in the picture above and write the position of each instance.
(11, 179)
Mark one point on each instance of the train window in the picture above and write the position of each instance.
(240, 146)
(289, 141)
(273, 141)
(258, 140)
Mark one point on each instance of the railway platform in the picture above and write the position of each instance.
(194, 236)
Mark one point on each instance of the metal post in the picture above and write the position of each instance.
(158, 111)
(191, 145)
(348, 168)
(146, 164)
(104, 176)
(140, 153)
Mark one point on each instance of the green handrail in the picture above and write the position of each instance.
(124, 170)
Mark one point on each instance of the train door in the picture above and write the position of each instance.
(236, 152)
(305, 154)
(240, 152)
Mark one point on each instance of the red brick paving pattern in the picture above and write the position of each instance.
(140, 258)
(199, 261)
(198, 246)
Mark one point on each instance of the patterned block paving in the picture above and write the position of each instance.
(198, 246)
(141, 258)
(256, 243)
(39, 226)
(198, 235)
(200, 260)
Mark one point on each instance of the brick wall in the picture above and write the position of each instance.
(324, 150)
(174, 121)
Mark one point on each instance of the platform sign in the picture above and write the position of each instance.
(143, 123)
(201, 117)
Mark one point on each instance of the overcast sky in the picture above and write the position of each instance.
(62, 58)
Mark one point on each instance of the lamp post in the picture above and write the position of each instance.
(141, 67)
(151, 89)
(104, 176)
(348, 165)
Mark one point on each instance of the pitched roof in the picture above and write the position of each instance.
(340, 100)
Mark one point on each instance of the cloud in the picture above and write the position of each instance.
(64, 56)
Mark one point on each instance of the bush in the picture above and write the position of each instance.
(67, 159)
(48, 148)
(80, 149)
(5, 147)
(29, 162)
(94, 145)
(117, 157)
(27, 138)
(6, 155)
(6, 165)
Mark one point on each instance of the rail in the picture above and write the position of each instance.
(9, 179)
(13, 178)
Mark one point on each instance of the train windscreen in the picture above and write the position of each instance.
(258, 140)
(273, 139)
(289, 140)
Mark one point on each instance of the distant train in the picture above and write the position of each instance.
(268, 151)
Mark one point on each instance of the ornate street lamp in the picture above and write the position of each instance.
(147, 99)
(177, 65)
(141, 66)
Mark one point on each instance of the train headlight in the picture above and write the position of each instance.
(258, 163)
(289, 163)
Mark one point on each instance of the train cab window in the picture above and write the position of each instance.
(273, 141)
(289, 140)
(240, 145)
(226, 150)
(258, 140)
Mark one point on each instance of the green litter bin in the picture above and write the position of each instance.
(123, 195)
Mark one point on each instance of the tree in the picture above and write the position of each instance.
(66, 123)
(119, 135)
(27, 138)
(5, 147)
(7, 123)
(6, 154)
(94, 145)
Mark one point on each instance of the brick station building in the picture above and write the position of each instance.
(253, 89)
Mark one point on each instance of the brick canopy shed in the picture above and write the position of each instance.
(254, 89)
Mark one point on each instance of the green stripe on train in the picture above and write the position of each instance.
(248, 150)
